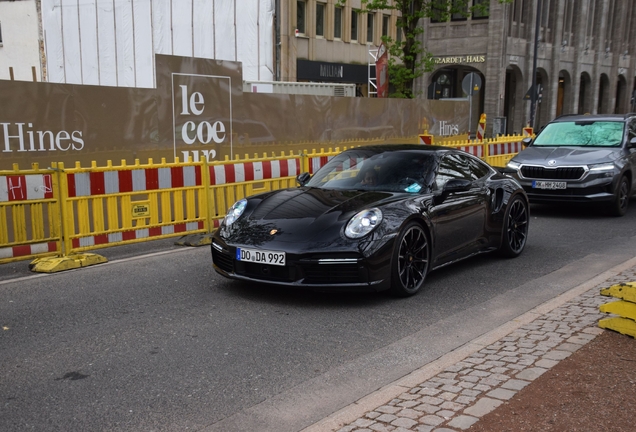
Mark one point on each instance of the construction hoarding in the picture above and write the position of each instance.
(197, 110)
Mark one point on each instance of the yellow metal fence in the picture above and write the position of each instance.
(65, 211)
(29, 214)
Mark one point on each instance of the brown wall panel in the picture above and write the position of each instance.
(198, 109)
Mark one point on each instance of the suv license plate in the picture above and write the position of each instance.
(548, 185)
(260, 256)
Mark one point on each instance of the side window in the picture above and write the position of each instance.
(632, 130)
(452, 166)
(477, 168)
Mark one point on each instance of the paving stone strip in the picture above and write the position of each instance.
(461, 394)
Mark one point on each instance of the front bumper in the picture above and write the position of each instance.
(320, 270)
(589, 190)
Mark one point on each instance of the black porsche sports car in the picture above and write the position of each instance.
(374, 218)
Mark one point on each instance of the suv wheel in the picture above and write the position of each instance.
(621, 198)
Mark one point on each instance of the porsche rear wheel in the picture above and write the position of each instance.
(410, 263)
(515, 229)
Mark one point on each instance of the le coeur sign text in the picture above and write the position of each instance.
(204, 131)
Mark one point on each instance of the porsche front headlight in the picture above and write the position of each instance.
(363, 223)
(235, 212)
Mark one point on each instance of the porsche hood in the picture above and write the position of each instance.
(288, 215)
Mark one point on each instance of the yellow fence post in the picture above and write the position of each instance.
(304, 161)
(202, 239)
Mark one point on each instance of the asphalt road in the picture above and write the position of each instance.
(155, 340)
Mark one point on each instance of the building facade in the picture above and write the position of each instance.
(585, 60)
(328, 41)
(19, 41)
(585, 49)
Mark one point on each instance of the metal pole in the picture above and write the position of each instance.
(470, 104)
(533, 88)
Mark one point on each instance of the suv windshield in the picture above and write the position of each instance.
(581, 133)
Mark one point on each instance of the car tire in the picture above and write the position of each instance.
(621, 198)
(515, 228)
(411, 260)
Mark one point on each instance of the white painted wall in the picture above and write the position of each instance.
(20, 49)
(113, 42)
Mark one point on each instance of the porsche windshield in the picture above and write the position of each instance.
(391, 171)
(581, 133)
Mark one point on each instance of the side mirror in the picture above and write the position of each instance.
(453, 186)
(457, 185)
(303, 178)
(632, 142)
(526, 141)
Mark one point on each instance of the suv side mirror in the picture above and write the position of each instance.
(526, 141)
(632, 142)
(303, 178)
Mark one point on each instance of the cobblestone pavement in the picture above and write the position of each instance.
(459, 395)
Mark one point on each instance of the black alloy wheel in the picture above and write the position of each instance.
(515, 229)
(621, 198)
(410, 262)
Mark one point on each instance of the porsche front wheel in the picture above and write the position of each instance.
(410, 263)
(515, 228)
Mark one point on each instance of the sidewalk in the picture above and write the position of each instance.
(455, 391)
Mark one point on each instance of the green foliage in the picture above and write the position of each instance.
(408, 59)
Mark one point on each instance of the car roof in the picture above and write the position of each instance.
(594, 117)
(405, 147)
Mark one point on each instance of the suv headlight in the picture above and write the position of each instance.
(513, 165)
(363, 223)
(600, 168)
(235, 212)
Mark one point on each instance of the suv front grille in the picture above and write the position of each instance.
(561, 173)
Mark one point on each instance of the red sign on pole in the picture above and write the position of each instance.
(382, 72)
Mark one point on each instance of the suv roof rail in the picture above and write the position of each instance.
(627, 115)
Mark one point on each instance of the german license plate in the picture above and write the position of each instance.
(260, 256)
(548, 185)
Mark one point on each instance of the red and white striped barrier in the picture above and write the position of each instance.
(143, 233)
(426, 139)
(27, 250)
(481, 131)
(112, 182)
(315, 163)
(505, 148)
(249, 171)
(476, 150)
(25, 187)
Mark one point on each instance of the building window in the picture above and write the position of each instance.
(439, 12)
(354, 26)
(320, 19)
(300, 16)
(0, 34)
(459, 10)
(398, 31)
(370, 19)
(337, 23)
(385, 25)
(482, 9)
